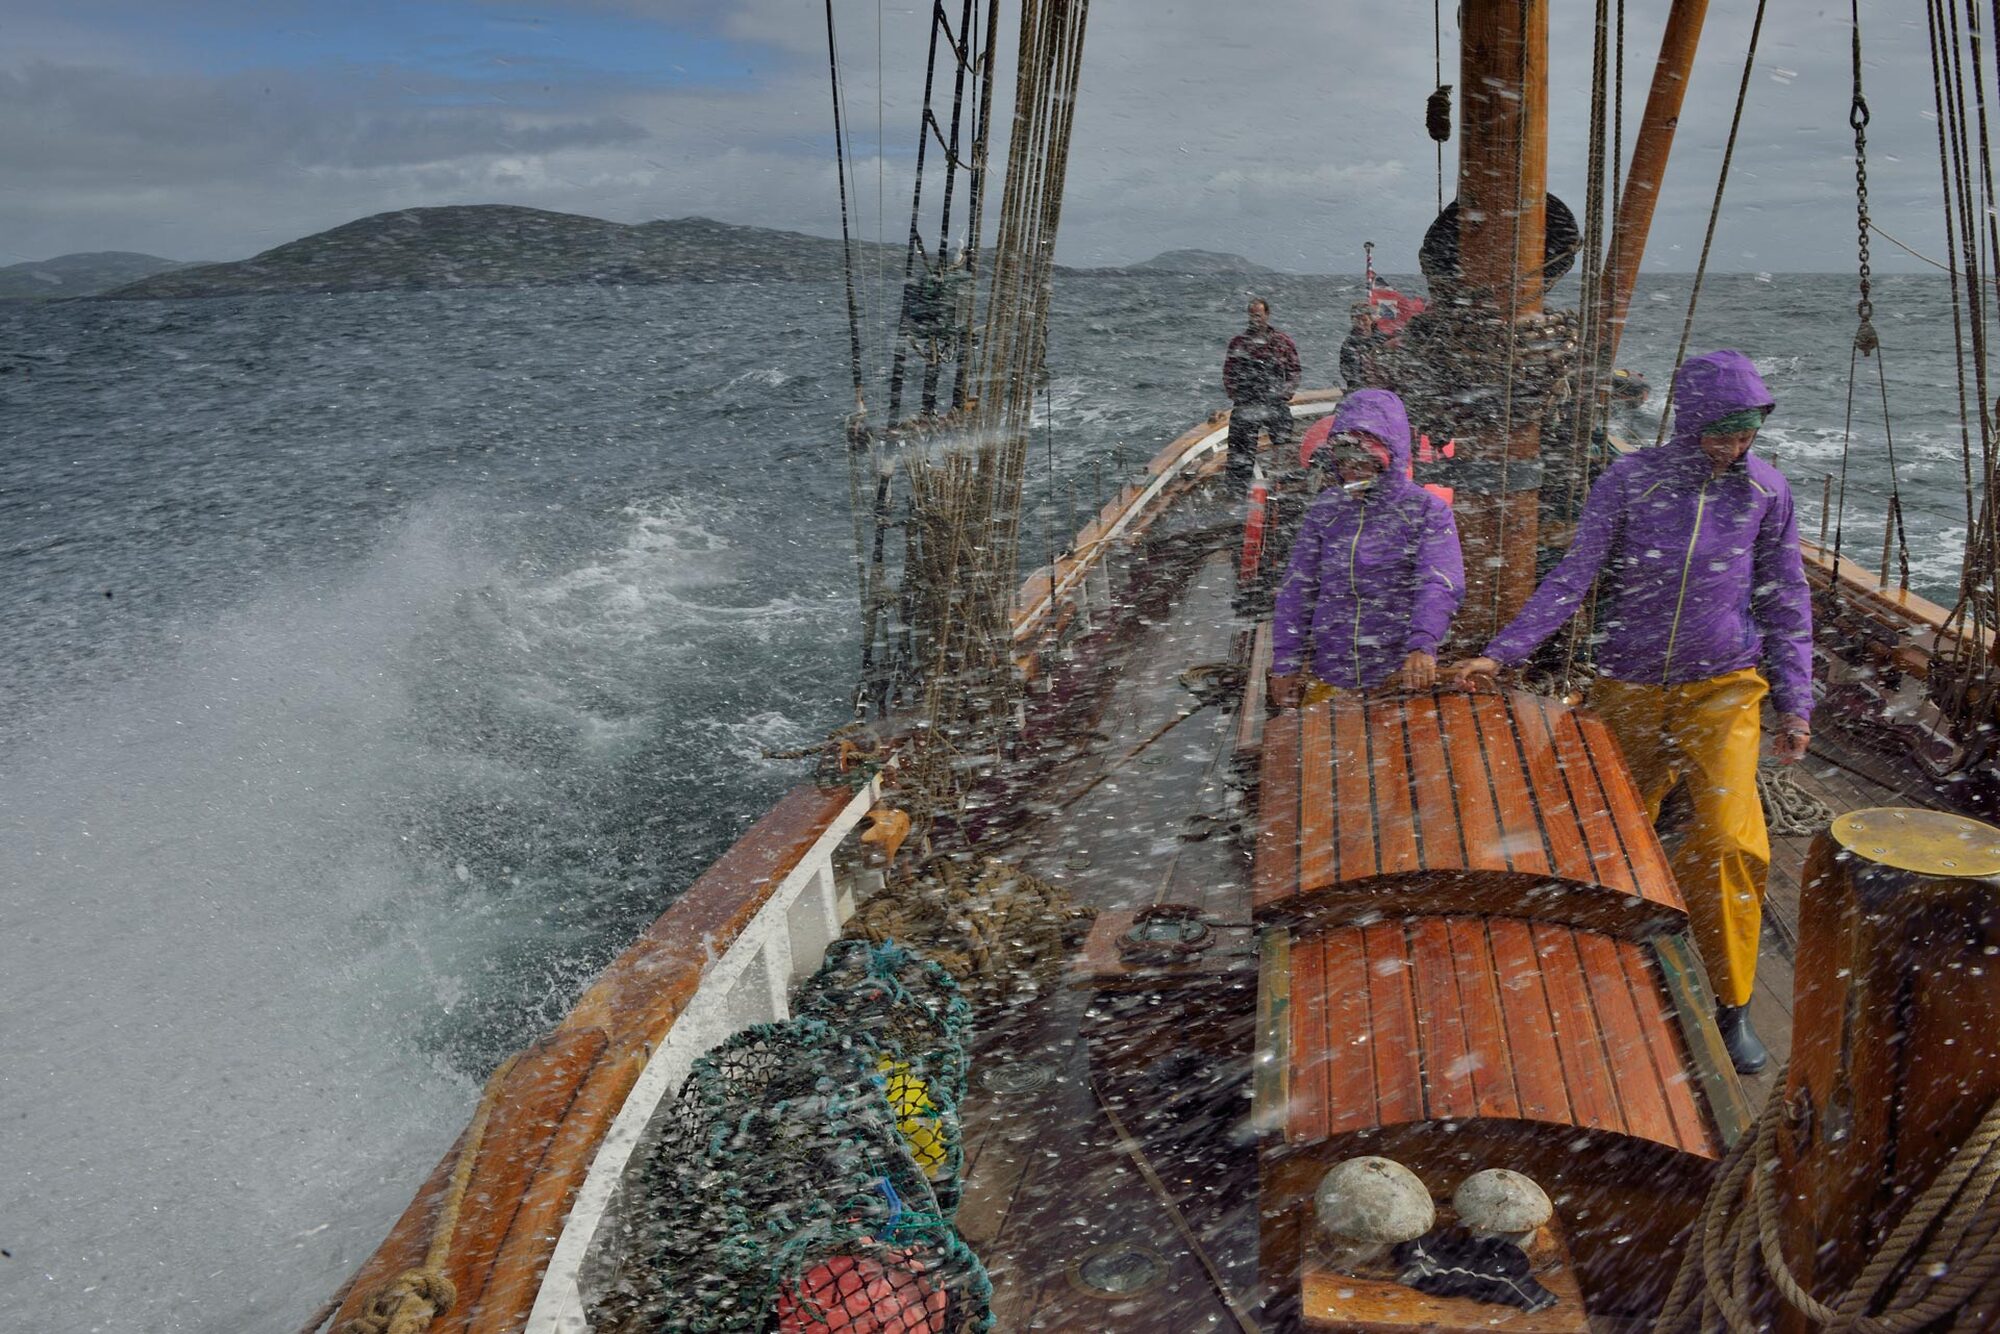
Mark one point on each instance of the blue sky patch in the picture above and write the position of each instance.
(461, 41)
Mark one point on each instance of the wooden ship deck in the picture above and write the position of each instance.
(1140, 1143)
(1112, 1165)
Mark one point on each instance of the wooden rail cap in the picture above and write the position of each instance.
(1444, 801)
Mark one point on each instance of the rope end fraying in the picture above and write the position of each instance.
(407, 1305)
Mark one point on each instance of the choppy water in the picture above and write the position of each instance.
(375, 665)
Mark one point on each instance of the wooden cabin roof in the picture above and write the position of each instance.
(1449, 801)
(1452, 1017)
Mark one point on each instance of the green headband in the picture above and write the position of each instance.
(1750, 419)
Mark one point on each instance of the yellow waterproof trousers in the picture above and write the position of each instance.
(1707, 732)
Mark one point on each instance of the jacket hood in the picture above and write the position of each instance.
(1379, 413)
(1711, 387)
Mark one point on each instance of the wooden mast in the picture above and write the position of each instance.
(1502, 187)
(1649, 169)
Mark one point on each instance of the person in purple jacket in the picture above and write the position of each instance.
(1375, 572)
(1703, 580)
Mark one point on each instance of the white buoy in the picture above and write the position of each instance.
(1502, 1203)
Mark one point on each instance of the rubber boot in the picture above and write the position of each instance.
(1746, 1053)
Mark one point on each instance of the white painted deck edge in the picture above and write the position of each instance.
(748, 985)
(1030, 621)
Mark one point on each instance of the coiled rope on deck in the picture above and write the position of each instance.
(409, 1302)
(1789, 810)
(1943, 1255)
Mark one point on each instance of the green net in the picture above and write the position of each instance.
(780, 1193)
(908, 1011)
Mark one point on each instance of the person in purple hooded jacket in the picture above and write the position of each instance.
(1375, 572)
(1699, 551)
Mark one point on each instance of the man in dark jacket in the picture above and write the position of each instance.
(1699, 548)
(1361, 354)
(1259, 374)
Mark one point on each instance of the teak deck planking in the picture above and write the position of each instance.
(1444, 1018)
(1443, 801)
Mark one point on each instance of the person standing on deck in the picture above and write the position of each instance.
(1259, 374)
(1362, 352)
(1699, 548)
(1375, 572)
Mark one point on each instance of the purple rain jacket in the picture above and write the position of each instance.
(1703, 573)
(1373, 578)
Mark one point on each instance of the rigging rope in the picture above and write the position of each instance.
(1438, 112)
(1513, 346)
(1943, 1254)
(1591, 417)
(966, 499)
(1906, 248)
(846, 238)
(1964, 689)
(1714, 214)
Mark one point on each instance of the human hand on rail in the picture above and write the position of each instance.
(1420, 671)
(1285, 690)
(1793, 740)
(1474, 673)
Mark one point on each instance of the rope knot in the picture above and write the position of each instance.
(407, 1305)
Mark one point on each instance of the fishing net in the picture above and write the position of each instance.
(907, 1011)
(780, 1194)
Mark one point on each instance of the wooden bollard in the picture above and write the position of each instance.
(1896, 1030)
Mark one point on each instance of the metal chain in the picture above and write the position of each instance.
(1865, 339)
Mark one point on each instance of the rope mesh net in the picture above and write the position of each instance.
(906, 1010)
(795, 1184)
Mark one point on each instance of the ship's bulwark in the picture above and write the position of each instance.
(444, 633)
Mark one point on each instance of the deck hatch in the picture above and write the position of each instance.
(1444, 1018)
(1503, 803)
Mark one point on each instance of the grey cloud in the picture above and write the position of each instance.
(1290, 130)
(79, 126)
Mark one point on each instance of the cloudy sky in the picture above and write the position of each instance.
(1284, 130)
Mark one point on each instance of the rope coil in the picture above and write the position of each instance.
(1943, 1255)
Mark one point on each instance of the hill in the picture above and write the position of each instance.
(500, 245)
(1199, 262)
(82, 274)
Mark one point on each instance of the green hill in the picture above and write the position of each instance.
(1198, 262)
(499, 245)
(83, 274)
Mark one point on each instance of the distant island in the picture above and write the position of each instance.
(1197, 262)
(501, 245)
(83, 274)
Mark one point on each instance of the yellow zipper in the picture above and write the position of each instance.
(1687, 563)
(1354, 590)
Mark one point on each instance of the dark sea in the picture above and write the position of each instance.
(376, 665)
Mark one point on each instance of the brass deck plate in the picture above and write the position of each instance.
(1930, 843)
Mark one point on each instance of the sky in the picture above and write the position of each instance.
(1287, 131)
